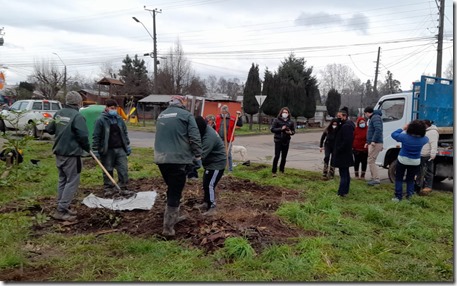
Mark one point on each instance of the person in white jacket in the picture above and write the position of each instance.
(428, 154)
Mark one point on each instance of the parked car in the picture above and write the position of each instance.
(31, 115)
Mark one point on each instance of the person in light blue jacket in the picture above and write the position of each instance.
(409, 158)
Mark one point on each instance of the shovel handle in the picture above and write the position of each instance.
(104, 170)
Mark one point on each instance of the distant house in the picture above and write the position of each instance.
(152, 105)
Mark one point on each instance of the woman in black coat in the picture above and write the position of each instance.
(283, 128)
(342, 154)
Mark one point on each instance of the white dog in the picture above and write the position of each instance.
(240, 150)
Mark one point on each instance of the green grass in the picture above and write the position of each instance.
(363, 237)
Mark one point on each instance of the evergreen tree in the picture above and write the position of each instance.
(333, 102)
(312, 92)
(135, 77)
(251, 89)
(298, 87)
(390, 86)
(271, 105)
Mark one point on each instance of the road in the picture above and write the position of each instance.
(303, 152)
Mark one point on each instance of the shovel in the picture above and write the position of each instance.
(106, 171)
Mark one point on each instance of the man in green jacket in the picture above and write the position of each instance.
(177, 144)
(71, 140)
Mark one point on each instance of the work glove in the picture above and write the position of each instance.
(129, 150)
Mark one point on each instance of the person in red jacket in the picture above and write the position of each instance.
(358, 147)
(225, 127)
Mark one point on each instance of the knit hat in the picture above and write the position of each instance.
(177, 99)
(73, 98)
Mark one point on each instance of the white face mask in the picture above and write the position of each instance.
(334, 126)
(362, 125)
(285, 115)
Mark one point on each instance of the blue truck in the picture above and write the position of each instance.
(431, 98)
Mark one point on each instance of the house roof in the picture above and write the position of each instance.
(110, 81)
(156, 98)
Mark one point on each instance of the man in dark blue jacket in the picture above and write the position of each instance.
(374, 142)
(110, 142)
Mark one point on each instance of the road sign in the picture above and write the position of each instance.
(260, 99)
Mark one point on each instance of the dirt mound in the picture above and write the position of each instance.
(244, 209)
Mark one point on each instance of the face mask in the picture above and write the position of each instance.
(362, 125)
(112, 112)
(334, 126)
(285, 115)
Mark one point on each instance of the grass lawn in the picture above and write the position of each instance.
(364, 237)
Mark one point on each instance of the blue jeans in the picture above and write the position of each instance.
(345, 181)
(411, 172)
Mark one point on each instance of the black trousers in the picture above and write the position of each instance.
(280, 150)
(174, 176)
(360, 158)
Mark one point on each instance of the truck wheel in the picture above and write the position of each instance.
(32, 131)
(391, 171)
(438, 179)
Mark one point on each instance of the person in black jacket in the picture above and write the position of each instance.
(328, 143)
(111, 143)
(283, 128)
(342, 156)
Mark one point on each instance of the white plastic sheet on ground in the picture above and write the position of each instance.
(141, 200)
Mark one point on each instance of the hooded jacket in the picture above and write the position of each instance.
(431, 148)
(360, 137)
(100, 137)
(375, 128)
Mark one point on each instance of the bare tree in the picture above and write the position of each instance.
(108, 69)
(47, 79)
(175, 72)
(335, 76)
(449, 72)
(211, 84)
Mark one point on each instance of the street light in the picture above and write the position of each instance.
(64, 75)
(154, 39)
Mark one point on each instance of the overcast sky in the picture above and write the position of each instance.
(224, 37)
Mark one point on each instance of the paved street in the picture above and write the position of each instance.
(303, 153)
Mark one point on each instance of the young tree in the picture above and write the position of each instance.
(333, 102)
(251, 89)
(135, 77)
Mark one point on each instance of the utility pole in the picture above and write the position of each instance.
(64, 75)
(154, 38)
(375, 85)
(439, 50)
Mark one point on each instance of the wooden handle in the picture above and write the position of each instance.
(104, 170)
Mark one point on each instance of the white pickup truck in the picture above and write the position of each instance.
(31, 115)
(431, 98)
